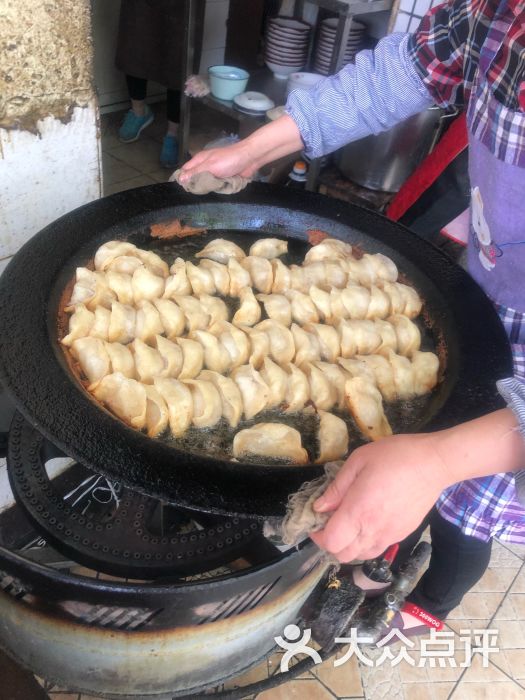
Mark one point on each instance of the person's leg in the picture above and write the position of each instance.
(140, 115)
(170, 147)
(137, 89)
(407, 545)
(173, 111)
(457, 563)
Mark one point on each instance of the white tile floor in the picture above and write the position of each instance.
(497, 602)
(130, 165)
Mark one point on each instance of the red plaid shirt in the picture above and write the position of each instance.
(447, 46)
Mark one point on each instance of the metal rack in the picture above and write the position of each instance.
(263, 80)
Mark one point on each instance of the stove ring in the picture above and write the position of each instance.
(121, 542)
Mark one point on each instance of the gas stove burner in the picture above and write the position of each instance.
(107, 527)
(217, 582)
(161, 639)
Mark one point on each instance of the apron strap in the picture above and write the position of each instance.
(453, 142)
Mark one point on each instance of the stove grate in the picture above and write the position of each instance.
(106, 526)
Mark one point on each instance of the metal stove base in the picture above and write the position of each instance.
(172, 662)
(178, 635)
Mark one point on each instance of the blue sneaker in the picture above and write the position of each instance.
(169, 155)
(132, 125)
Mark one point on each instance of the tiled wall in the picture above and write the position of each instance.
(214, 39)
(410, 14)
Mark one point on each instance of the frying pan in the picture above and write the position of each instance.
(461, 322)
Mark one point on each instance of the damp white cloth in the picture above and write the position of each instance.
(203, 183)
(301, 518)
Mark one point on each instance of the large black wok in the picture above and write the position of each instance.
(33, 369)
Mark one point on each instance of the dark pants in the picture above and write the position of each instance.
(457, 562)
(137, 88)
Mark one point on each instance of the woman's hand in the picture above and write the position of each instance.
(386, 488)
(270, 142)
(381, 495)
(221, 162)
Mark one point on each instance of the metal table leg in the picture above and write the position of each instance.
(185, 101)
(313, 174)
(341, 38)
(298, 9)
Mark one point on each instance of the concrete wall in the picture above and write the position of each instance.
(49, 140)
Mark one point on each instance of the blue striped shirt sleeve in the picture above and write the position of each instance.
(513, 391)
(381, 89)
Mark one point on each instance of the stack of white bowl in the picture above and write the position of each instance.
(286, 45)
(326, 42)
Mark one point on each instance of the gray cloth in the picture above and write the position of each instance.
(203, 183)
(301, 518)
(513, 391)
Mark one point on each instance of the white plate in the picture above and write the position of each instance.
(285, 44)
(282, 72)
(295, 66)
(286, 49)
(328, 66)
(286, 36)
(329, 52)
(254, 101)
(349, 44)
(280, 60)
(286, 57)
(329, 49)
(332, 22)
(331, 37)
(249, 112)
(290, 24)
(277, 35)
(328, 59)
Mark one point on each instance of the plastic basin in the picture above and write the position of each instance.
(226, 82)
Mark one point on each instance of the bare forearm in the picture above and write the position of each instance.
(265, 145)
(273, 141)
(413, 470)
(480, 447)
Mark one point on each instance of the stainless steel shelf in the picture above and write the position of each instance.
(263, 81)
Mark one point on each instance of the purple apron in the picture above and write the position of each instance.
(488, 507)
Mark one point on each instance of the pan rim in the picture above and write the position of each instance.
(149, 204)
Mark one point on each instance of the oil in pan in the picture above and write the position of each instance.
(402, 415)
